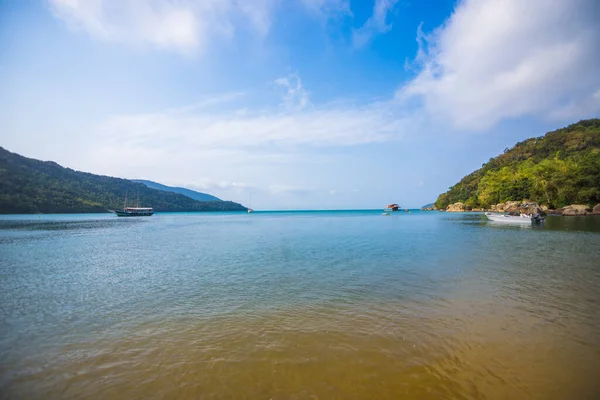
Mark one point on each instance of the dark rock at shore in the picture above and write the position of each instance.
(524, 206)
(457, 207)
(575, 210)
(528, 207)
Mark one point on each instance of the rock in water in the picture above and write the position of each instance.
(456, 207)
(575, 210)
(525, 206)
(596, 209)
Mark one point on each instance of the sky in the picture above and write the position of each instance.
(293, 104)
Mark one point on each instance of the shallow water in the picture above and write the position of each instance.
(298, 305)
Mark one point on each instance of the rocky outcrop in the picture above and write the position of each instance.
(575, 210)
(509, 206)
(457, 207)
(525, 206)
(596, 209)
(553, 212)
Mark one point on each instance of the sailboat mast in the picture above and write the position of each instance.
(125, 203)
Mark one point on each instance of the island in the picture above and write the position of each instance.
(555, 173)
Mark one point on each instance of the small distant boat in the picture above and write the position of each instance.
(250, 209)
(514, 219)
(392, 207)
(133, 211)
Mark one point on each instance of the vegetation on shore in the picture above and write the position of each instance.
(555, 170)
(33, 186)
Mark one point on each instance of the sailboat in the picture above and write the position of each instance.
(134, 211)
(250, 202)
(250, 210)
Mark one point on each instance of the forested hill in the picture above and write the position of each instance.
(33, 186)
(560, 168)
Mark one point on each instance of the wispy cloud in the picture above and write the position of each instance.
(296, 97)
(375, 25)
(184, 26)
(193, 127)
(206, 103)
(494, 60)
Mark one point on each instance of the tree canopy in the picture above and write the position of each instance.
(558, 169)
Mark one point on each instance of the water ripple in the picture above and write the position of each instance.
(344, 305)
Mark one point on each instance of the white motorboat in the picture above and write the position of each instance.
(514, 219)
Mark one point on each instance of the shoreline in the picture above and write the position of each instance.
(529, 207)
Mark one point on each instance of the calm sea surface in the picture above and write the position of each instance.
(298, 305)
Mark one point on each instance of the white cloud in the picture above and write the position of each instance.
(338, 124)
(296, 96)
(184, 26)
(376, 24)
(498, 59)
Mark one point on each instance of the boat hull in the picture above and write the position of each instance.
(509, 219)
(122, 213)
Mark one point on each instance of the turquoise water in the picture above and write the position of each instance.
(327, 304)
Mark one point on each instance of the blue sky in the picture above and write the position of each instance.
(293, 104)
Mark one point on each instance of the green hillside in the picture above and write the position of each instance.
(33, 186)
(560, 168)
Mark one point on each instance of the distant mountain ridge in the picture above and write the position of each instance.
(33, 186)
(192, 194)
